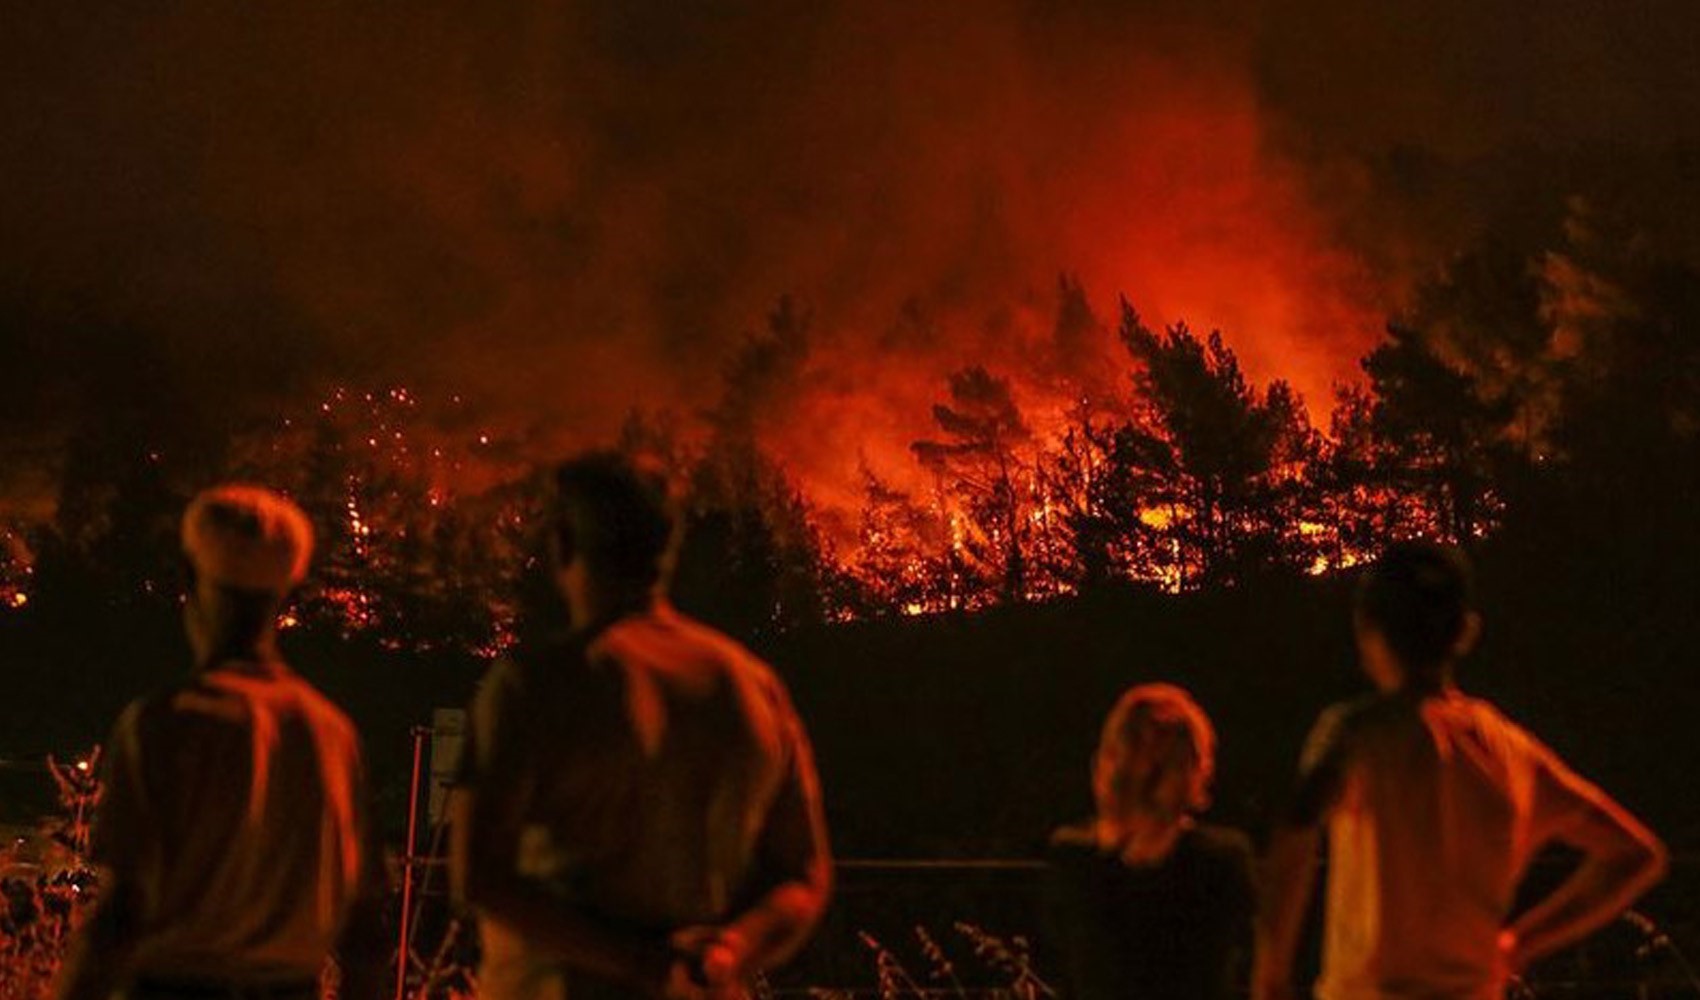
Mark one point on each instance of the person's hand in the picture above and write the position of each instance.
(693, 939)
(680, 982)
(666, 973)
(716, 954)
(1510, 960)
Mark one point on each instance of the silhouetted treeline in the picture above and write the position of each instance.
(1542, 394)
(1542, 397)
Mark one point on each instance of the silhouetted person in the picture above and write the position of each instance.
(639, 812)
(1141, 901)
(231, 831)
(1434, 804)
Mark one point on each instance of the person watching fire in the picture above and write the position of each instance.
(639, 813)
(231, 831)
(1434, 805)
(1142, 901)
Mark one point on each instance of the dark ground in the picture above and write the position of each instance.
(969, 737)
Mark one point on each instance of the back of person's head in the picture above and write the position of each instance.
(619, 516)
(1419, 597)
(247, 548)
(1157, 754)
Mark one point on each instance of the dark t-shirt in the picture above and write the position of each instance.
(1174, 930)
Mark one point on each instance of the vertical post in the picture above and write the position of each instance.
(403, 950)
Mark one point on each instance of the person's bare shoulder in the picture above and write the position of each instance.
(1507, 738)
(723, 655)
(1488, 715)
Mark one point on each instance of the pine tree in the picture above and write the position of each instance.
(983, 464)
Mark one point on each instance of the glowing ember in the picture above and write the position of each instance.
(419, 543)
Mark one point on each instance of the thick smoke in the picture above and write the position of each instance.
(565, 210)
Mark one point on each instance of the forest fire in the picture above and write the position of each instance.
(1003, 355)
(946, 406)
(996, 518)
(1098, 454)
(1176, 474)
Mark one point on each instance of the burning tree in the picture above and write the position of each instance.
(1230, 463)
(1108, 481)
(1355, 502)
(904, 558)
(986, 478)
(754, 560)
(423, 531)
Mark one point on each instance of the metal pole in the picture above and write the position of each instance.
(420, 733)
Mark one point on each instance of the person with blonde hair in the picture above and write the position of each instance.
(231, 833)
(1142, 900)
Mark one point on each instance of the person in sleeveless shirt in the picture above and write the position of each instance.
(1434, 804)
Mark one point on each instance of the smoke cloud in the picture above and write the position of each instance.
(564, 210)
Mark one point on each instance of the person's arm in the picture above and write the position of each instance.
(481, 867)
(486, 814)
(1289, 869)
(1621, 859)
(793, 854)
